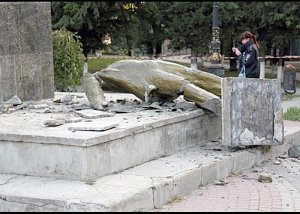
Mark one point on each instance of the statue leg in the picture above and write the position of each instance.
(203, 98)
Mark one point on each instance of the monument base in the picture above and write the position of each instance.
(216, 70)
(65, 152)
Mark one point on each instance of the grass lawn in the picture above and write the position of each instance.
(292, 113)
(100, 63)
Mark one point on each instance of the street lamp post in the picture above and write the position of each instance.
(215, 57)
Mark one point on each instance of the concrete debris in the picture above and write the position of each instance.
(294, 151)
(221, 182)
(37, 106)
(67, 98)
(75, 108)
(277, 162)
(14, 100)
(53, 123)
(264, 178)
(155, 105)
(93, 114)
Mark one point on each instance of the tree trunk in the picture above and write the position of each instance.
(149, 49)
(157, 50)
(129, 43)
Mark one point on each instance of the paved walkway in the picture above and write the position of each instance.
(243, 192)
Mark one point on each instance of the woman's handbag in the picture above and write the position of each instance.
(242, 72)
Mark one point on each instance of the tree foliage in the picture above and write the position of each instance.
(273, 22)
(190, 25)
(186, 24)
(152, 18)
(91, 20)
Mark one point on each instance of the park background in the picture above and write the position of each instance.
(157, 29)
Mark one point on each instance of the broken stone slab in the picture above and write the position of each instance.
(61, 121)
(251, 112)
(93, 126)
(38, 106)
(80, 106)
(72, 120)
(63, 99)
(67, 98)
(155, 105)
(54, 123)
(185, 106)
(122, 108)
(93, 114)
(14, 100)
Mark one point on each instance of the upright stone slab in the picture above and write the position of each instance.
(251, 112)
(26, 60)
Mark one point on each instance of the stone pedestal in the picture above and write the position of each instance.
(28, 148)
(26, 60)
(216, 70)
(251, 112)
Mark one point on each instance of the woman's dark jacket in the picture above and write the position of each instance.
(250, 58)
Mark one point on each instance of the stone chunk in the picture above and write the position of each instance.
(55, 122)
(264, 178)
(93, 114)
(73, 120)
(15, 100)
(93, 126)
(37, 106)
(294, 151)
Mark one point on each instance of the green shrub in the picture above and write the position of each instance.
(68, 60)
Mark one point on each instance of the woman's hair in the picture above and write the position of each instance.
(248, 34)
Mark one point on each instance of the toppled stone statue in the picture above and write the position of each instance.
(154, 81)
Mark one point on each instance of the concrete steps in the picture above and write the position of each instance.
(141, 188)
(86, 155)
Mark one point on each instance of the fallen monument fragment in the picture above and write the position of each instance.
(155, 81)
